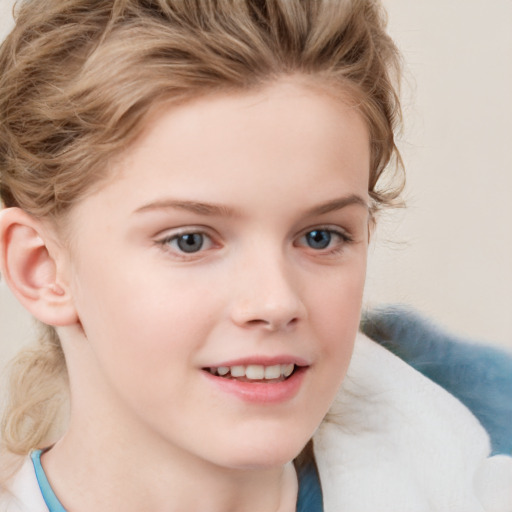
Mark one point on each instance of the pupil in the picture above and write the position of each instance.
(318, 239)
(190, 243)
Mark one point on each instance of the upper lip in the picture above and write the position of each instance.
(263, 361)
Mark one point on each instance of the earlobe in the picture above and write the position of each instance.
(31, 270)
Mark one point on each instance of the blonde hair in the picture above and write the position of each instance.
(78, 78)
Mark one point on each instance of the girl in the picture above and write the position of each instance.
(189, 189)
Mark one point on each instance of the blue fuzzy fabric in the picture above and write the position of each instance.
(479, 375)
(310, 491)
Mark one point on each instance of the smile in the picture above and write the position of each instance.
(270, 383)
(255, 372)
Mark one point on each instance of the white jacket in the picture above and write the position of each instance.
(396, 441)
(393, 441)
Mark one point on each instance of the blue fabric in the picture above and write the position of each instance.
(53, 504)
(479, 375)
(310, 492)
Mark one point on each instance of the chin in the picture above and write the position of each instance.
(266, 455)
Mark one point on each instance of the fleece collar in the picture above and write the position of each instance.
(394, 441)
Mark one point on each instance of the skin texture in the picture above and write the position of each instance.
(148, 427)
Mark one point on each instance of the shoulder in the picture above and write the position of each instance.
(23, 494)
(396, 441)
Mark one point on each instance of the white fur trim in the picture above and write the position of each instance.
(394, 441)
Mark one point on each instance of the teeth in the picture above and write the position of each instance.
(255, 371)
(273, 372)
(287, 369)
(237, 371)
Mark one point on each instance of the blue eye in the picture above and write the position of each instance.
(319, 238)
(190, 242)
(186, 242)
(325, 241)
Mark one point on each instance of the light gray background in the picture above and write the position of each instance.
(450, 253)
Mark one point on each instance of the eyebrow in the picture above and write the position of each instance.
(212, 209)
(338, 204)
(200, 208)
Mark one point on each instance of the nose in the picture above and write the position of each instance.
(267, 296)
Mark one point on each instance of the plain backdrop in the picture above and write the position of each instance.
(449, 253)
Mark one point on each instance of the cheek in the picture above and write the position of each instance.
(142, 340)
(137, 322)
(338, 305)
(144, 335)
(335, 315)
(143, 324)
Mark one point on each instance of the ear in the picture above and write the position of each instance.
(29, 265)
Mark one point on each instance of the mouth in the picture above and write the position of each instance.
(255, 372)
(263, 382)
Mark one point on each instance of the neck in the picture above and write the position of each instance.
(141, 476)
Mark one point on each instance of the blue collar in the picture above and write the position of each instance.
(52, 502)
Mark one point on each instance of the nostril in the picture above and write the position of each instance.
(271, 324)
(256, 322)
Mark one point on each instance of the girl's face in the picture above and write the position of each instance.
(228, 250)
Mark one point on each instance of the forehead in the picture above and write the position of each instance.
(280, 115)
(284, 135)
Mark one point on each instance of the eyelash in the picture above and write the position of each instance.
(343, 237)
(175, 237)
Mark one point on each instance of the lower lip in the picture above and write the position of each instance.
(261, 392)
